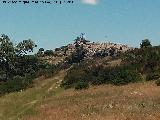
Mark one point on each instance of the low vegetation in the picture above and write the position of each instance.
(135, 65)
(96, 75)
(46, 96)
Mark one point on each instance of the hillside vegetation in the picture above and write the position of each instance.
(80, 81)
(17, 105)
(47, 101)
(89, 64)
(136, 65)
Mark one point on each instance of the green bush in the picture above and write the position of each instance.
(74, 75)
(97, 75)
(81, 85)
(144, 59)
(71, 79)
(12, 85)
(152, 76)
(117, 75)
(126, 76)
(16, 84)
(3, 87)
(77, 56)
(28, 80)
(47, 70)
(48, 52)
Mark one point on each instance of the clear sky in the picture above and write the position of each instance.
(50, 26)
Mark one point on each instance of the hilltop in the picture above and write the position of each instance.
(92, 50)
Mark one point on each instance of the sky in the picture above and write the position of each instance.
(54, 25)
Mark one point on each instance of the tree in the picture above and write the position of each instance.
(25, 46)
(40, 51)
(7, 54)
(77, 40)
(48, 52)
(145, 43)
(77, 55)
(81, 39)
(10, 54)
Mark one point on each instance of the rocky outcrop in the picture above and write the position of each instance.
(93, 49)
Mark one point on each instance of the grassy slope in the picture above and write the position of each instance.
(139, 101)
(46, 101)
(19, 104)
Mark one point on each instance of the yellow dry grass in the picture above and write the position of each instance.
(47, 101)
(140, 101)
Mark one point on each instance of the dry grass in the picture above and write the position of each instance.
(47, 101)
(17, 105)
(53, 60)
(140, 101)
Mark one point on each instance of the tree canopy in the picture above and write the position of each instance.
(10, 54)
(145, 43)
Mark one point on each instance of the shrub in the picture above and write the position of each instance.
(152, 76)
(3, 88)
(28, 79)
(119, 75)
(11, 85)
(97, 75)
(47, 70)
(126, 76)
(81, 85)
(77, 56)
(16, 84)
(72, 78)
(74, 75)
(145, 59)
(48, 52)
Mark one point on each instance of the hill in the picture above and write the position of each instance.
(82, 80)
(47, 101)
(91, 50)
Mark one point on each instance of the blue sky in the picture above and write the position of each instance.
(50, 26)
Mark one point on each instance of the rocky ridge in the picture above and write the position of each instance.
(93, 49)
